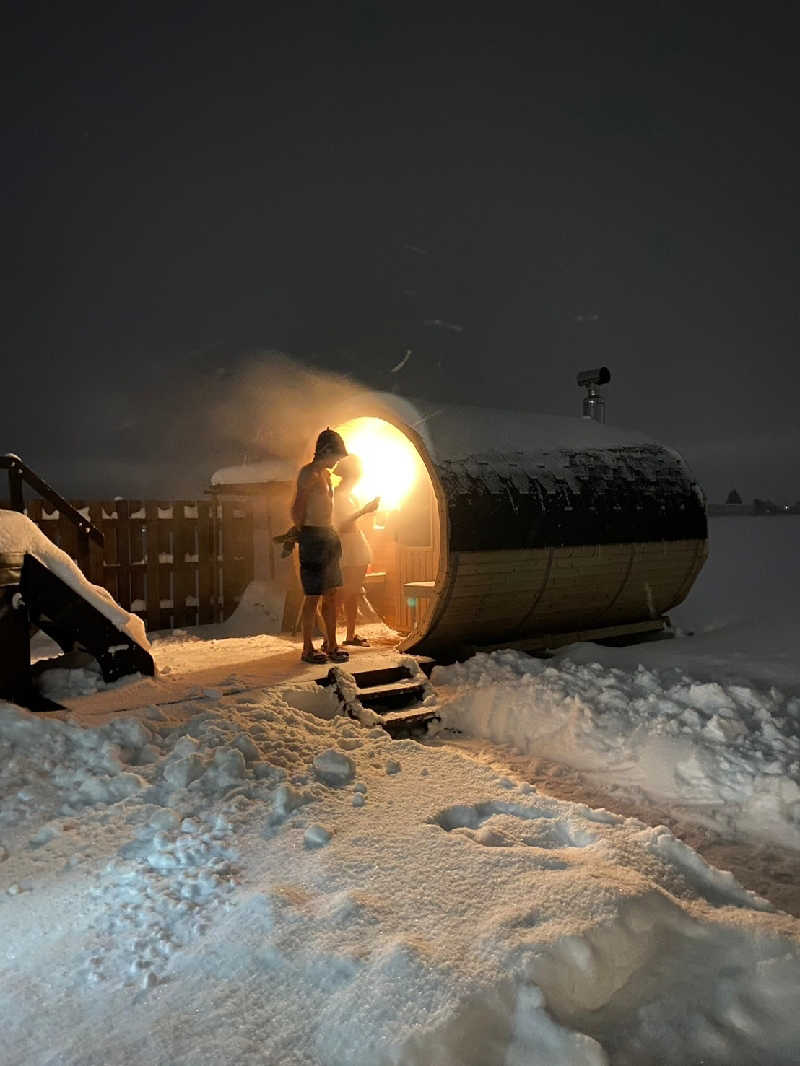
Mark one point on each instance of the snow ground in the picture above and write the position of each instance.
(252, 878)
(240, 880)
(727, 752)
(703, 730)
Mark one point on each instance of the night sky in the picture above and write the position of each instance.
(511, 197)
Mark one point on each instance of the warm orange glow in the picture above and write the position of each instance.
(390, 461)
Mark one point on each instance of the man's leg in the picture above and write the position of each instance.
(310, 604)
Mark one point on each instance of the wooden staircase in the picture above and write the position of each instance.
(393, 693)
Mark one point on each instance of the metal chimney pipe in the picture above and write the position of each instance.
(594, 405)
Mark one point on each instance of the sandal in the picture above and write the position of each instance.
(314, 657)
(357, 642)
(338, 656)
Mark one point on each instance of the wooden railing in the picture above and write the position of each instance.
(19, 475)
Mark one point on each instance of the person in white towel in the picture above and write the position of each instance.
(356, 552)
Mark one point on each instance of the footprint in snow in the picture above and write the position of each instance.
(508, 825)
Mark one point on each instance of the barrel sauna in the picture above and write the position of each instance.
(543, 530)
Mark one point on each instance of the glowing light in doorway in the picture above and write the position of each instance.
(390, 461)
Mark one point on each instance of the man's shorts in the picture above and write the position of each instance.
(320, 555)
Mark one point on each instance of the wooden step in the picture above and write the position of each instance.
(426, 664)
(410, 722)
(384, 675)
(385, 691)
(382, 698)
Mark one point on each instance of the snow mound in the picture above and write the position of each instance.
(729, 753)
(260, 610)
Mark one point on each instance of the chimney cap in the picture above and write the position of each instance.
(599, 375)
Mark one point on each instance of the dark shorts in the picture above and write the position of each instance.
(320, 555)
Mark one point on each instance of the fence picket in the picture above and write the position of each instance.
(155, 597)
(206, 562)
(123, 553)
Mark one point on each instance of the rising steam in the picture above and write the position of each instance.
(275, 406)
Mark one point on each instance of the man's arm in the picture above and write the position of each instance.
(304, 479)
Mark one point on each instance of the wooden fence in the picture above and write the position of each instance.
(174, 563)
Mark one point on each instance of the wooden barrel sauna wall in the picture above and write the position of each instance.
(547, 529)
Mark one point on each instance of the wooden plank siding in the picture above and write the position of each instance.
(175, 563)
(413, 564)
(234, 553)
(204, 583)
(402, 563)
(563, 589)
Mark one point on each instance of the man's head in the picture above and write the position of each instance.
(330, 448)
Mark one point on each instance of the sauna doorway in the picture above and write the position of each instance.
(404, 534)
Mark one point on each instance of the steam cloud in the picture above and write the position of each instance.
(276, 407)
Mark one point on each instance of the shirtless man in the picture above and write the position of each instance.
(320, 547)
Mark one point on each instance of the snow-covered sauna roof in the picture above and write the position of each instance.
(447, 431)
(455, 432)
(266, 470)
(515, 479)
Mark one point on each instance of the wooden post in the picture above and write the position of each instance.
(35, 512)
(110, 528)
(15, 494)
(182, 571)
(216, 555)
(67, 535)
(95, 573)
(154, 592)
(237, 553)
(83, 554)
(205, 561)
(227, 559)
(123, 553)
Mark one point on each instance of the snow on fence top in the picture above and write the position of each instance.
(273, 469)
